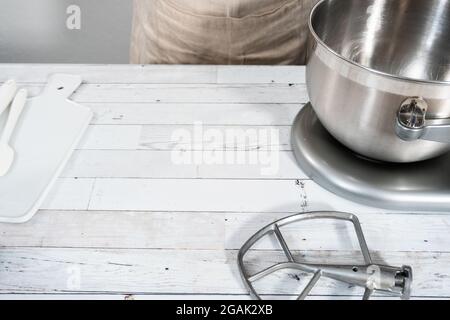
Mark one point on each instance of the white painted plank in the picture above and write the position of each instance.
(124, 137)
(202, 137)
(187, 93)
(157, 73)
(164, 165)
(126, 164)
(219, 231)
(116, 230)
(69, 194)
(179, 297)
(219, 195)
(261, 74)
(196, 136)
(25, 270)
(109, 297)
(196, 195)
(189, 113)
(39, 73)
(204, 195)
(270, 165)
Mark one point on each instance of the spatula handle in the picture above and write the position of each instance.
(14, 115)
(7, 92)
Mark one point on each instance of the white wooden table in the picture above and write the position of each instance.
(125, 221)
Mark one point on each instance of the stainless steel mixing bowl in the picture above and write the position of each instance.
(378, 76)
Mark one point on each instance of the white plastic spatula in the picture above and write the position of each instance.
(6, 152)
(7, 93)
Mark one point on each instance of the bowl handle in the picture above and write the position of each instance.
(412, 124)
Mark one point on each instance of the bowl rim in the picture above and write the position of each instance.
(361, 66)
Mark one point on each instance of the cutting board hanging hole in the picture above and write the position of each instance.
(63, 84)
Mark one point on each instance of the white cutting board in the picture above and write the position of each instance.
(47, 133)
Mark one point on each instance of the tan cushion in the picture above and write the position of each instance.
(220, 31)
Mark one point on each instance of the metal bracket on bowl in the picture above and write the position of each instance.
(372, 277)
(412, 123)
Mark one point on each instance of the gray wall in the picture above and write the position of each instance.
(35, 31)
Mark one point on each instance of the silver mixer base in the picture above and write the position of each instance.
(423, 186)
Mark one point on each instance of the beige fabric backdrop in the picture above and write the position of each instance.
(220, 31)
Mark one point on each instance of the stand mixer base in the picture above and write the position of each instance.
(423, 186)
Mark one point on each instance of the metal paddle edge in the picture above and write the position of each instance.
(372, 277)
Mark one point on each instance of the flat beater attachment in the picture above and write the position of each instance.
(372, 277)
